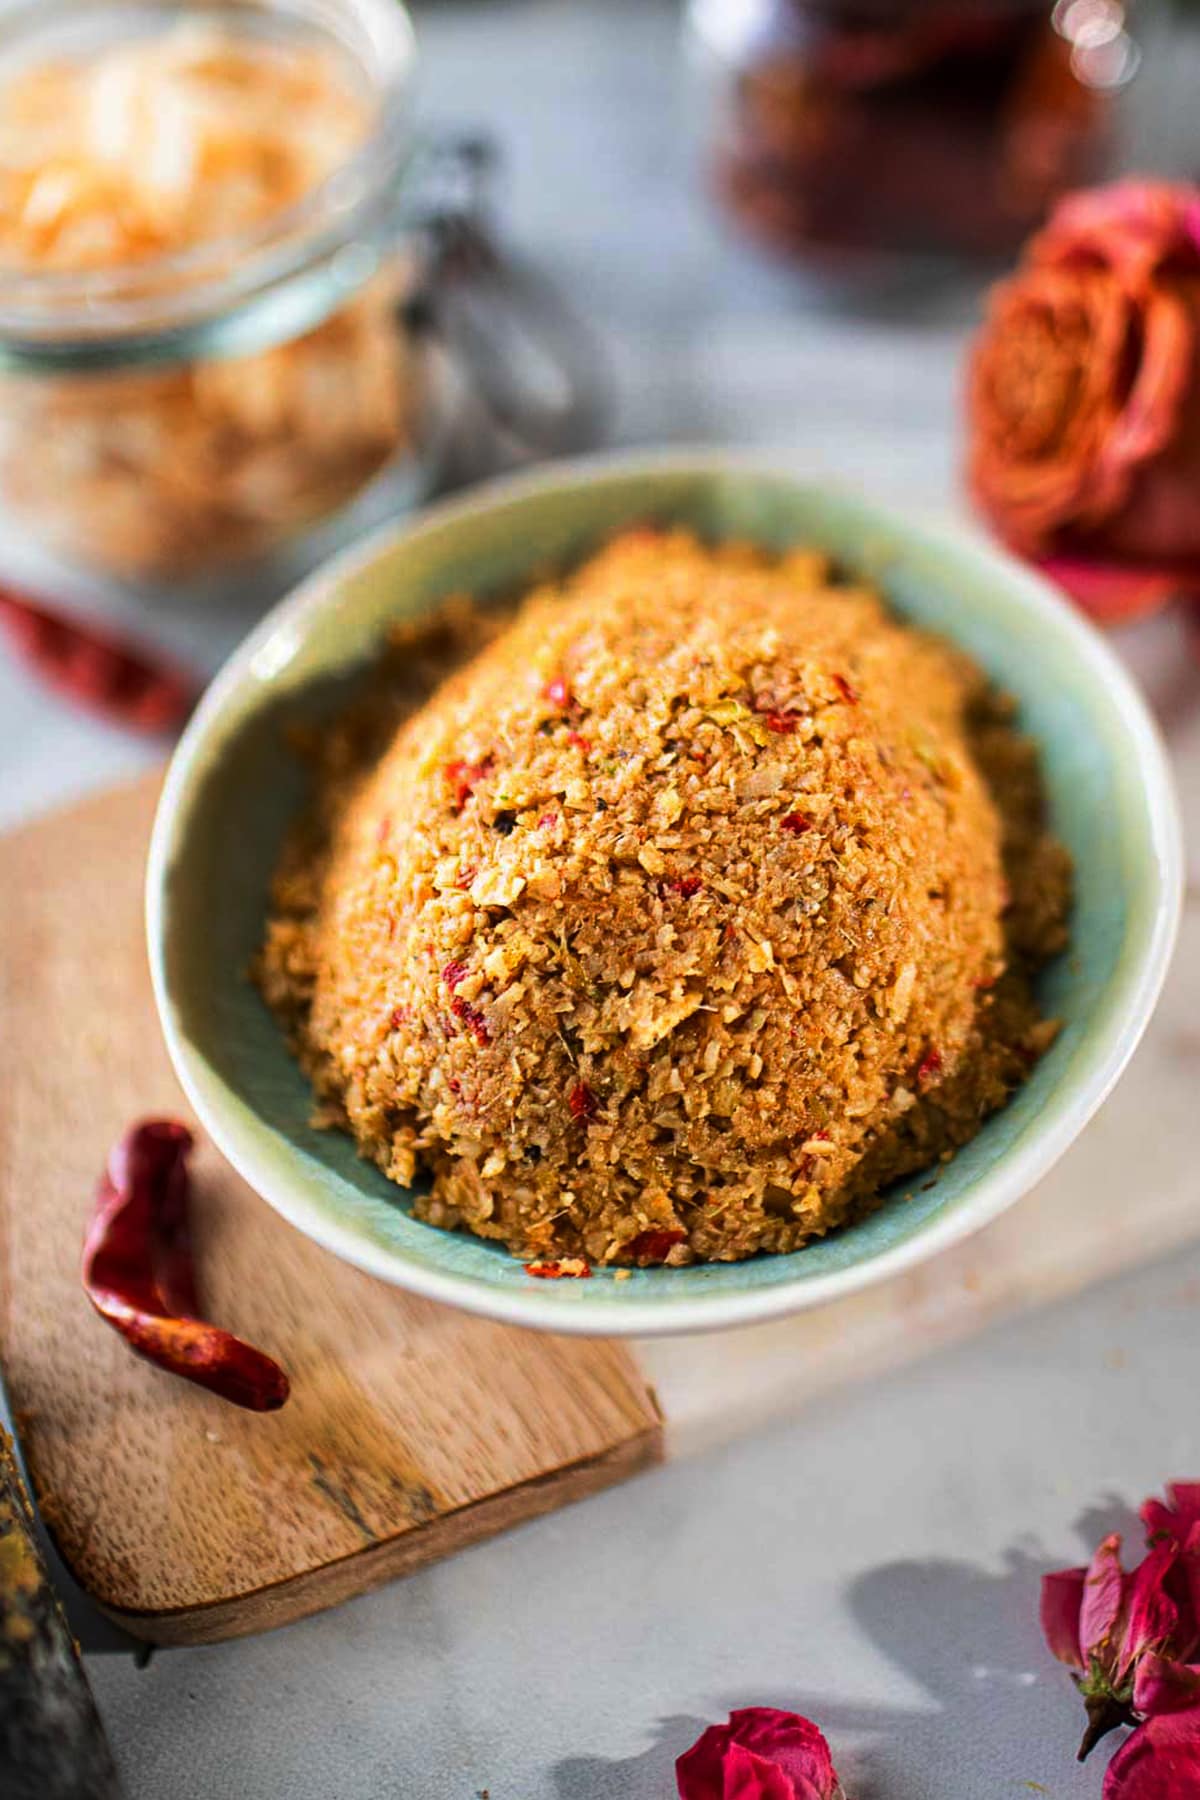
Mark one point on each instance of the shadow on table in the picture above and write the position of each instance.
(997, 1718)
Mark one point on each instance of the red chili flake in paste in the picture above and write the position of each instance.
(687, 885)
(398, 1016)
(472, 1018)
(580, 742)
(548, 819)
(582, 1101)
(656, 1244)
(930, 1064)
(781, 722)
(466, 876)
(558, 693)
(464, 777)
(795, 822)
(849, 694)
(453, 973)
(573, 1267)
(455, 1085)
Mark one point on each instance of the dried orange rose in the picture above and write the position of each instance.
(1084, 399)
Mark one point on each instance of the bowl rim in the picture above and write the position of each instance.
(1136, 982)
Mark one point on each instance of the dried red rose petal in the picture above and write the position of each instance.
(1161, 1759)
(1176, 1517)
(1176, 1520)
(762, 1753)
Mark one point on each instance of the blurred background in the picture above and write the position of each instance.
(543, 226)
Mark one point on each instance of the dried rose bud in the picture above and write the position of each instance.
(761, 1754)
(1101, 1622)
(1083, 406)
(1161, 1760)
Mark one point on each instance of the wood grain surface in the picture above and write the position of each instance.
(411, 1430)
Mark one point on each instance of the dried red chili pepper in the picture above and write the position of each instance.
(453, 974)
(795, 823)
(686, 885)
(138, 1274)
(580, 742)
(930, 1064)
(849, 694)
(558, 693)
(98, 669)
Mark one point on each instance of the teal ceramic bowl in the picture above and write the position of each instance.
(233, 788)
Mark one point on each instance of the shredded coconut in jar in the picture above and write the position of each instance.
(151, 147)
(166, 142)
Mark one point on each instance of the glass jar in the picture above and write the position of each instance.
(915, 126)
(168, 411)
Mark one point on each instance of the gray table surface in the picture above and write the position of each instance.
(875, 1561)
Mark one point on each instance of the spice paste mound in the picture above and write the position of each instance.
(698, 906)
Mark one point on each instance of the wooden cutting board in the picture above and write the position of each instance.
(411, 1431)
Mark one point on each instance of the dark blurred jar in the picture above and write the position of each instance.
(908, 125)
